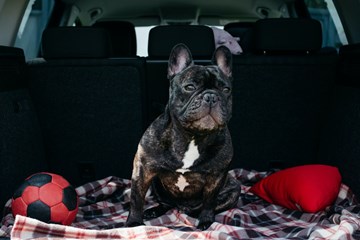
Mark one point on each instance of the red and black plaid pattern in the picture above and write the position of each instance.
(104, 206)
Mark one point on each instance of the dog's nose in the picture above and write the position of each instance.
(211, 98)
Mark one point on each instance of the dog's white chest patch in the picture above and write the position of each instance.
(182, 183)
(190, 157)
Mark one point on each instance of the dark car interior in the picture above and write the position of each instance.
(80, 108)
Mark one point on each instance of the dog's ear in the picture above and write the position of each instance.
(180, 58)
(223, 59)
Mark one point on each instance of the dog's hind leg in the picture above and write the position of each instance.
(228, 195)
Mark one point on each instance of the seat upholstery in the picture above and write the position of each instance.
(90, 105)
(287, 35)
(349, 65)
(21, 145)
(341, 135)
(79, 42)
(281, 98)
(199, 39)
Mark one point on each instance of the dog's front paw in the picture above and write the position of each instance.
(155, 212)
(206, 218)
(134, 223)
(204, 225)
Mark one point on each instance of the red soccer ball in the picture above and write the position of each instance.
(47, 197)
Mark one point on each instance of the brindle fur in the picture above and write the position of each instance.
(199, 115)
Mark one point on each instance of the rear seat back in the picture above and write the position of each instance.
(281, 95)
(349, 65)
(90, 106)
(341, 135)
(21, 145)
(200, 41)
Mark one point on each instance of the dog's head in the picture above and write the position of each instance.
(200, 96)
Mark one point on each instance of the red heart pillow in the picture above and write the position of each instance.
(308, 188)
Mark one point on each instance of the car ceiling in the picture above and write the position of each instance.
(154, 12)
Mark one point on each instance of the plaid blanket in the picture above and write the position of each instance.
(104, 208)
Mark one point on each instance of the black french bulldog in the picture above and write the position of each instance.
(185, 153)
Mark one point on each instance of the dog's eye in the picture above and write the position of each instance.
(226, 90)
(190, 88)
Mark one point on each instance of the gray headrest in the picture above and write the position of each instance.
(287, 34)
(199, 39)
(76, 42)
